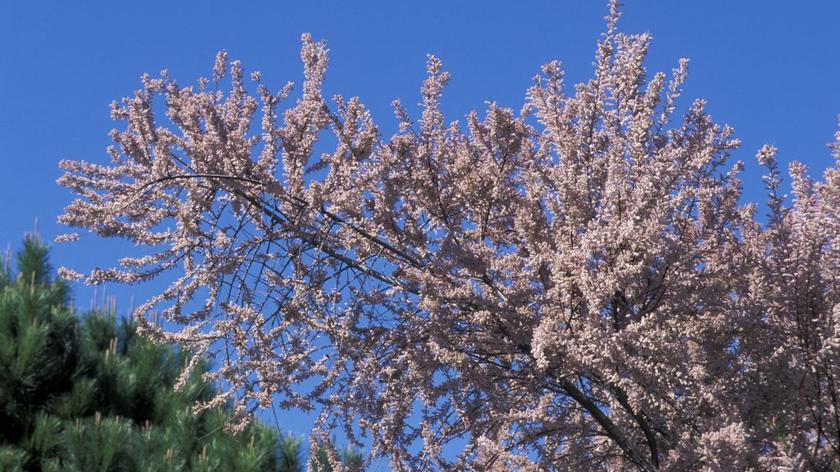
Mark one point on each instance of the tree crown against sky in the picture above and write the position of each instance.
(571, 286)
(87, 393)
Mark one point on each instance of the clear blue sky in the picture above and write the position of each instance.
(770, 69)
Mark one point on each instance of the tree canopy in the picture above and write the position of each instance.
(571, 286)
(89, 394)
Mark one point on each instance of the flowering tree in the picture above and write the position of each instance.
(571, 287)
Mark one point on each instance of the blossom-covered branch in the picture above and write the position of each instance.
(573, 286)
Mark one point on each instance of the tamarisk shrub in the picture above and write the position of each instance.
(573, 286)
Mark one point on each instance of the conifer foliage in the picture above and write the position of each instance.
(89, 394)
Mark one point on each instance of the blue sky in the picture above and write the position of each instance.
(770, 69)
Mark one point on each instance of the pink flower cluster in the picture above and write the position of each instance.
(570, 286)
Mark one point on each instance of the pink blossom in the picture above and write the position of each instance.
(571, 286)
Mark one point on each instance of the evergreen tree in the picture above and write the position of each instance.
(90, 395)
(350, 458)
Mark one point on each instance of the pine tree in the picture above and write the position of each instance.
(90, 395)
(352, 459)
